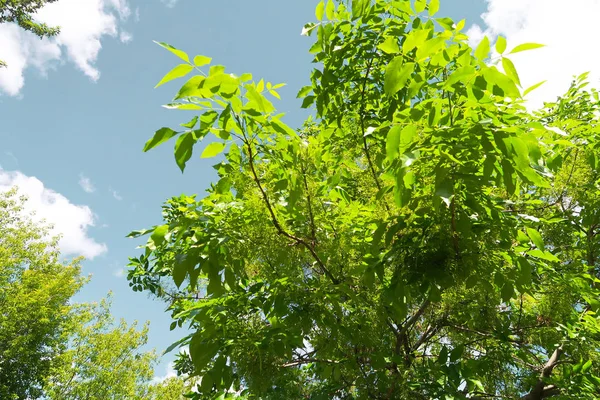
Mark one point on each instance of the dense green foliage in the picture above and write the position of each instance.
(424, 236)
(35, 288)
(52, 348)
(103, 361)
(21, 12)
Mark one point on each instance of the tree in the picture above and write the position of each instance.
(423, 236)
(52, 348)
(172, 388)
(21, 12)
(103, 361)
(35, 289)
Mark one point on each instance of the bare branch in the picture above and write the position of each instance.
(540, 390)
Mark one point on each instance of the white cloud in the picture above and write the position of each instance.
(169, 3)
(170, 373)
(69, 220)
(86, 184)
(83, 25)
(116, 195)
(125, 37)
(119, 273)
(568, 30)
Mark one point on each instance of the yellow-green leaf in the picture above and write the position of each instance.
(330, 10)
(434, 7)
(199, 61)
(392, 143)
(320, 10)
(500, 44)
(160, 136)
(179, 53)
(533, 87)
(536, 238)
(525, 47)
(390, 45)
(179, 71)
(183, 149)
(396, 75)
(483, 49)
(212, 150)
(510, 70)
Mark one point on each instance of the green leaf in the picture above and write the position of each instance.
(461, 75)
(507, 291)
(179, 71)
(508, 86)
(500, 44)
(180, 269)
(304, 92)
(399, 139)
(213, 149)
(200, 61)
(406, 137)
(160, 136)
(330, 10)
(533, 87)
(192, 89)
(483, 49)
(390, 45)
(478, 384)
(308, 101)
(178, 343)
(392, 143)
(191, 123)
(420, 5)
(396, 75)
(320, 10)
(457, 353)
(359, 8)
(526, 46)
(586, 366)
(510, 70)
(434, 7)
(544, 255)
(183, 149)
(536, 238)
(181, 54)
(158, 236)
(508, 175)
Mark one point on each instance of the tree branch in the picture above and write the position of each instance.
(540, 390)
(274, 219)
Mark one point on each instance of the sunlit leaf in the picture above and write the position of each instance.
(213, 149)
(179, 71)
(525, 47)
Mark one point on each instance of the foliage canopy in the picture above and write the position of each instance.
(423, 236)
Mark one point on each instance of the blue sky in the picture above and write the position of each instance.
(75, 113)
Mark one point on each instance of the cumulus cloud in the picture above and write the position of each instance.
(566, 28)
(86, 184)
(83, 23)
(69, 220)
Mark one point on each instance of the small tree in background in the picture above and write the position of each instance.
(52, 348)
